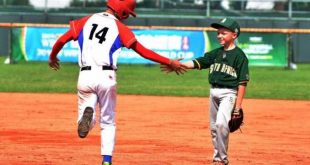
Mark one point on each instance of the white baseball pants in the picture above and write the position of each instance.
(99, 86)
(222, 102)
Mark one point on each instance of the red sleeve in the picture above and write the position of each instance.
(77, 26)
(126, 35)
(72, 34)
(149, 54)
(60, 43)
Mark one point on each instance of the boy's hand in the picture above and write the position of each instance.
(54, 63)
(175, 66)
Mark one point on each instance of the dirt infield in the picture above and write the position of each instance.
(40, 129)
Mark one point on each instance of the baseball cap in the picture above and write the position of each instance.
(229, 24)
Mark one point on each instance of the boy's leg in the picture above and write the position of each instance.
(214, 105)
(107, 102)
(226, 106)
(86, 112)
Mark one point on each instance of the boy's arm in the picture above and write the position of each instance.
(151, 55)
(240, 95)
(129, 41)
(243, 80)
(53, 60)
(194, 64)
(188, 64)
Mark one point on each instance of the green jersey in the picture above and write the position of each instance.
(227, 68)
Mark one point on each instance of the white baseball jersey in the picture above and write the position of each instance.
(100, 38)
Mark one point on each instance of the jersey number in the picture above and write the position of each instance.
(100, 34)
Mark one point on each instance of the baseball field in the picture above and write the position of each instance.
(161, 119)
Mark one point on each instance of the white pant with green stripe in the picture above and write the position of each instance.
(222, 102)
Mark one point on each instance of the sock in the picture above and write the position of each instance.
(107, 158)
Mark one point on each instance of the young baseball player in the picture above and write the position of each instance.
(101, 37)
(228, 76)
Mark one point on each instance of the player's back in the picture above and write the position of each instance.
(99, 41)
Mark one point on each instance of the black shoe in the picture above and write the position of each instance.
(84, 125)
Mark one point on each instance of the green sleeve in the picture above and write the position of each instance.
(204, 62)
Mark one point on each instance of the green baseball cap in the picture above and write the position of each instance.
(229, 24)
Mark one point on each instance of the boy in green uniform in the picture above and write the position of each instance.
(228, 76)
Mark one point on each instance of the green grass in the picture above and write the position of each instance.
(266, 82)
(37, 77)
(280, 83)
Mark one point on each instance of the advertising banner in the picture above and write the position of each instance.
(36, 43)
(17, 44)
(262, 49)
(169, 43)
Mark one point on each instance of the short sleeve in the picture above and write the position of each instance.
(126, 35)
(205, 61)
(77, 25)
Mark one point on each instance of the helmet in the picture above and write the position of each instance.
(122, 8)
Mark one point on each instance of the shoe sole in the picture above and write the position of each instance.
(84, 125)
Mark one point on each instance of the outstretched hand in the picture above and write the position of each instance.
(175, 65)
(54, 64)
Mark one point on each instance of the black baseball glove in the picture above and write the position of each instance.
(236, 120)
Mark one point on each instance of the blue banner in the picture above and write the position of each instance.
(39, 43)
(169, 43)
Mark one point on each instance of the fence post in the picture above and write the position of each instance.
(45, 6)
(84, 4)
(11, 60)
(290, 64)
(162, 4)
(290, 9)
(208, 8)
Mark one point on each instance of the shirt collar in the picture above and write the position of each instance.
(108, 15)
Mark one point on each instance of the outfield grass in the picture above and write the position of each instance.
(266, 82)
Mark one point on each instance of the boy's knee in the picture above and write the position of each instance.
(221, 125)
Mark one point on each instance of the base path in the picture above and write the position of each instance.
(41, 129)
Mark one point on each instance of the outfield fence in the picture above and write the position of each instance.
(263, 46)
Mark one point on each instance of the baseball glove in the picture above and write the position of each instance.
(236, 120)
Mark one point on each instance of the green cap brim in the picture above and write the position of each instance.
(217, 26)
